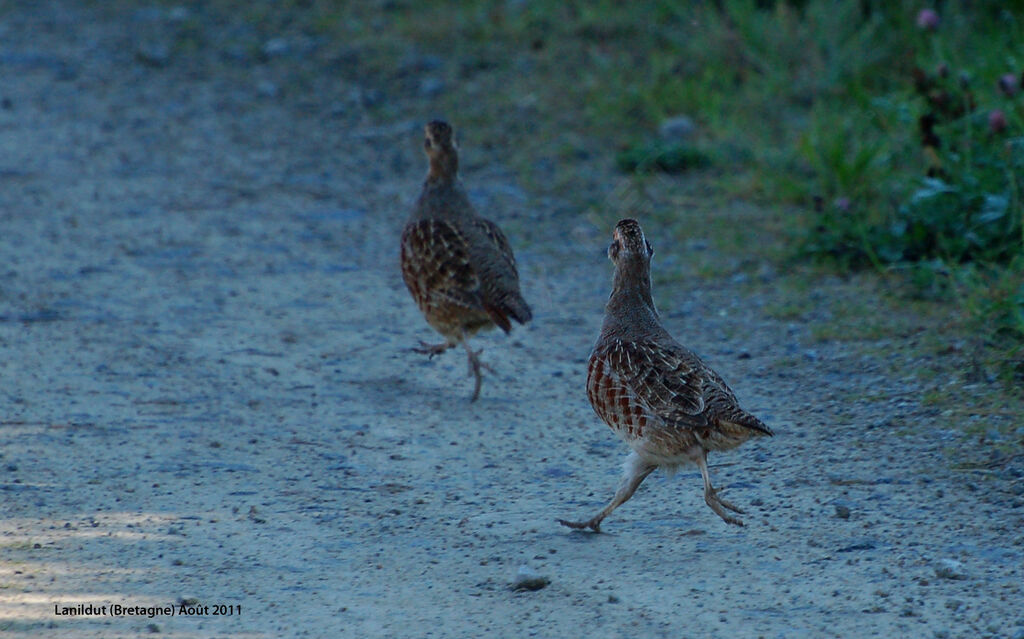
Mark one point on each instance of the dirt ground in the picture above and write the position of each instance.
(208, 394)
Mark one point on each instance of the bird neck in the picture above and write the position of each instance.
(444, 168)
(444, 199)
(630, 305)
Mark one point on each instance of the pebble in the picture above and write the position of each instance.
(677, 129)
(276, 47)
(950, 569)
(842, 512)
(153, 54)
(268, 89)
(365, 97)
(415, 63)
(529, 579)
(431, 87)
(178, 14)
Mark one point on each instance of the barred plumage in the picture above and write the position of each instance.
(657, 395)
(458, 266)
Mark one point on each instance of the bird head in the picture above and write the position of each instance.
(628, 242)
(439, 145)
(438, 137)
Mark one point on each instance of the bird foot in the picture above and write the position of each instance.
(475, 366)
(594, 524)
(719, 505)
(430, 350)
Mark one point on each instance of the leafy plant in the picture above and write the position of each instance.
(661, 156)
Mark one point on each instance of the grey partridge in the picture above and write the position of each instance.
(458, 266)
(668, 406)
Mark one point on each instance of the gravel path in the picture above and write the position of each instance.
(208, 396)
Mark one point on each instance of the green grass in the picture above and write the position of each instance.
(661, 157)
(810, 108)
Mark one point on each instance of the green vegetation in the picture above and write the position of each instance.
(876, 135)
(660, 156)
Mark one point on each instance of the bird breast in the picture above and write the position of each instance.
(614, 402)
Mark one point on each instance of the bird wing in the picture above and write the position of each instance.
(726, 408)
(498, 240)
(436, 265)
(635, 386)
(668, 382)
(499, 277)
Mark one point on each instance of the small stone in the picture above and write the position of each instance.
(268, 89)
(276, 47)
(153, 54)
(365, 97)
(431, 87)
(178, 14)
(950, 569)
(842, 512)
(677, 129)
(415, 63)
(529, 579)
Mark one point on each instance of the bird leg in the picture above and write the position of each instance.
(636, 472)
(711, 497)
(432, 349)
(475, 366)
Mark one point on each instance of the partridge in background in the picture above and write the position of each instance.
(654, 393)
(458, 266)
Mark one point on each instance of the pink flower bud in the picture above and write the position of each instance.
(996, 121)
(1008, 84)
(927, 19)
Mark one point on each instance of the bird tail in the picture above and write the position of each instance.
(520, 310)
(514, 307)
(754, 424)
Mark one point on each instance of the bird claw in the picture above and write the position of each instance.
(426, 348)
(581, 525)
(717, 504)
(725, 503)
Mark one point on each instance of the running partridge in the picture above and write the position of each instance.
(458, 266)
(654, 393)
